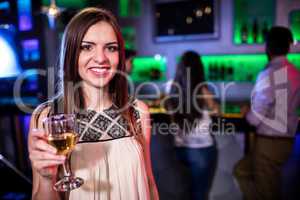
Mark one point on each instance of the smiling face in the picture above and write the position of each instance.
(99, 56)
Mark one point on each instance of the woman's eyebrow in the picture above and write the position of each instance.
(88, 42)
(110, 43)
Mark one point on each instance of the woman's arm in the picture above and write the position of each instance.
(213, 106)
(146, 129)
(43, 158)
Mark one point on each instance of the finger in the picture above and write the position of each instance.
(44, 165)
(48, 172)
(39, 133)
(42, 145)
(38, 155)
(34, 135)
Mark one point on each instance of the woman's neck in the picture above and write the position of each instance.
(97, 99)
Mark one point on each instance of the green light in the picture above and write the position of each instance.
(246, 13)
(129, 37)
(149, 69)
(240, 68)
(237, 34)
(230, 108)
(67, 3)
(295, 24)
(129, 8)
(123, 8)
(295, 59)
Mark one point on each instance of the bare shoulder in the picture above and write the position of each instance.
(142, 107)
(145, 119)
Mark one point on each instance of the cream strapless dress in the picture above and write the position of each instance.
(109, 159)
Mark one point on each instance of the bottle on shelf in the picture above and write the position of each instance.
(229, 72)
(213, 71)
(244, 33)
(222, 72)
(265, 30)
(217, 72)
(240, 68)
(255, 30)
(210, 71)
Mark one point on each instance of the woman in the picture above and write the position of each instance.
(190, 106)
(112, 155)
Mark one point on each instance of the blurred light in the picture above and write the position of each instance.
(171, 31)
(207, 10)
(157, 14)
(31, 76)
(295, 42)
(9, 27)
(24, 14)
(52, 12)
(128, 8)
(189, 20)
(199, 13)
(4, 26)
(9, 63)
(4, 5)
(143, 66)
(157, 57)
(31, 50)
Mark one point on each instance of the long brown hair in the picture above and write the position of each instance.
(189, 75)
(68, 64)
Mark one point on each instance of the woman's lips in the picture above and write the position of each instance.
(100, 71)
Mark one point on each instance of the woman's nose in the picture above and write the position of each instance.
(99, 55)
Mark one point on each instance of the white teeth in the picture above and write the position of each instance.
(99, 70)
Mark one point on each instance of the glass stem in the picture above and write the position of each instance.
(66, 166)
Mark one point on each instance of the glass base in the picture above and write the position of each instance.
(68, 183)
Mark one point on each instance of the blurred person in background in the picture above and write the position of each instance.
(191, 105)
(273, 118)
(129, 56)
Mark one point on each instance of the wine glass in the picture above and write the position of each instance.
(62, 133)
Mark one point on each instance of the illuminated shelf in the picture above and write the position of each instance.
(294, 18)
(239, 68)
(149, 69)
(130, 8)
(217, 68)
(251, 21)
(67, 3)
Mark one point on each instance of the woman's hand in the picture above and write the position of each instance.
(244, 109)
(42, 155)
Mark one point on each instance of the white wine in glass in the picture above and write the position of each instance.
(62, 134)
(64, 143)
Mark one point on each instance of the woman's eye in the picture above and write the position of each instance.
(86, 47)
(113, 48)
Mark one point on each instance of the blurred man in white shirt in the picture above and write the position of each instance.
(273, 114)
